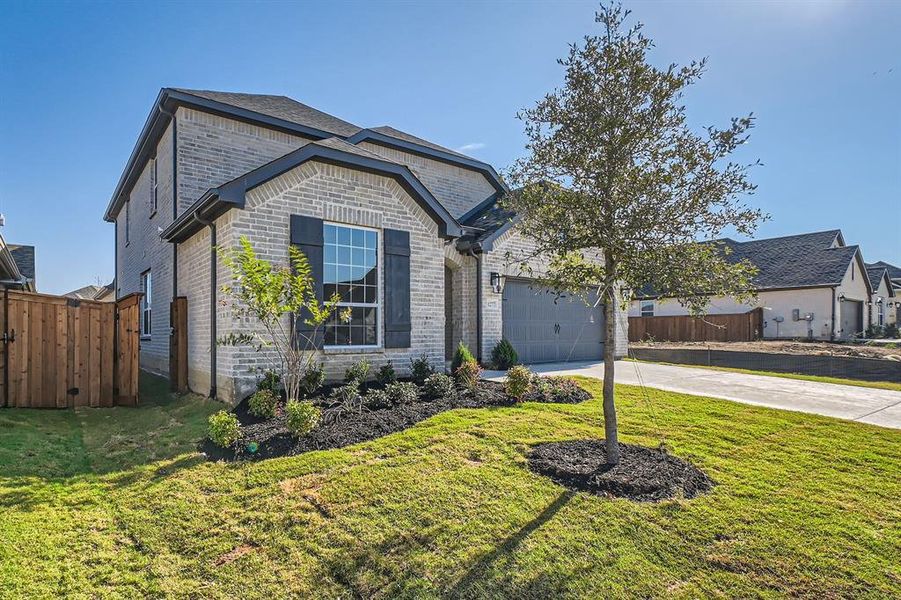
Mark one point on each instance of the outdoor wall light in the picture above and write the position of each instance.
(497, 283)
(841, 297)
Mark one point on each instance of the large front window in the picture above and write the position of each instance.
(351, 270)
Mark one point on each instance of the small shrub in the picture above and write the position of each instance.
(312, 379)
(346, 396)
(556, 389)
(271, 381)
(438, 385)
(386, 374)
(420, 369)
(461, 355)
(891, 330)
(467, 375)
(302, 417)
(504, 356)
(402, 392)
(376, 399)
(519, 382)
(357, 372)
(224, 429)
(262, 403)
(874, 331)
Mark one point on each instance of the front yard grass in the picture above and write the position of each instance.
(115, 503)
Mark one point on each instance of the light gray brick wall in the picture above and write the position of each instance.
(333, 194)
(213, 150)
(457, 188)
(145, 251)
(512, 251)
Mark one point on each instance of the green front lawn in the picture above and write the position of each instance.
(112, 502)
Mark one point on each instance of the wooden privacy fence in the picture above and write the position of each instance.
(743, 327)
(59, 352)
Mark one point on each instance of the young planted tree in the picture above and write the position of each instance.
(613, 166)
(276, 296)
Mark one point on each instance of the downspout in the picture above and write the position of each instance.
(213, 278)
(116, 258)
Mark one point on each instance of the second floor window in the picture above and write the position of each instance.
(154, 185)
(147, 290)
(647, 308)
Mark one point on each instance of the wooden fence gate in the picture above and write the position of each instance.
(59, 352)
(178, 344)
(742, 327)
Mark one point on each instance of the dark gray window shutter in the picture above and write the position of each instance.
(306, 236)
(397, 289)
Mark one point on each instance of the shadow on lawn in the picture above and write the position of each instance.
(474, 584)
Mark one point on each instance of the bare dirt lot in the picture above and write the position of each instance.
(788, 347)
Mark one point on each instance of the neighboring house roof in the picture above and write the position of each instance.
(877, 274)
(218, 200)
(806, 260)
(893, 271)
(280, 113)
(17, 264)
(101, 293)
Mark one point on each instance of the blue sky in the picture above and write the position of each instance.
(78, 80)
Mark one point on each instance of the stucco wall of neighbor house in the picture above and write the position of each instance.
(145, 251)
(512, 253)
(213, 150)
(457, 188)
(887, 312)
(334, 194)
(854, 286)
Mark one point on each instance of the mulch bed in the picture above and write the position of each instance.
(643, 474)
(339, 428)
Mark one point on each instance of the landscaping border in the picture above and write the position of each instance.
(866, 369)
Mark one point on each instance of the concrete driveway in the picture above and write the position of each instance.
(867, 405)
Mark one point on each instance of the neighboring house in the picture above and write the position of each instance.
(810, 285)
(889, 291)
(408, 232)
(16, 266)
(98, 293)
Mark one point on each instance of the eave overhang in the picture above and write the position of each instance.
(217, 201)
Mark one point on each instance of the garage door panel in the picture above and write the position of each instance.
(545, 327)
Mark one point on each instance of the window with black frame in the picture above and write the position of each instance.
(351, 269)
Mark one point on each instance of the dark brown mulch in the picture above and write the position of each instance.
(643, 474)
(338, 429)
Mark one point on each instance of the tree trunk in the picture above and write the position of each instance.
(610, 300)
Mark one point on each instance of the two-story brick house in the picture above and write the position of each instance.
(409, 233)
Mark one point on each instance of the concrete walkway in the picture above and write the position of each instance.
(867, 405)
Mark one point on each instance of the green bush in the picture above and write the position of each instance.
(262, 403)
(467, 374)
(504, 356)
(224, 429)
(438, 385)
(873, 331)
(519, 381)
(420, 369)
(461, 355)
(302, 417)
(402, 392)
(311, 380)
(376, 399)
(271, 381)
(386, 374)
(557, 389)
(891, 330)
(358, 372)
(346, 396)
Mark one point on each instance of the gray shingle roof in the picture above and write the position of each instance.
(280, 107)
(24, 257)
(486, 219)
(408, 137)
(893, 271)
(876, 274)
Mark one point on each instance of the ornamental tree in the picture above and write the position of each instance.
(612, 165)
(276, 296)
